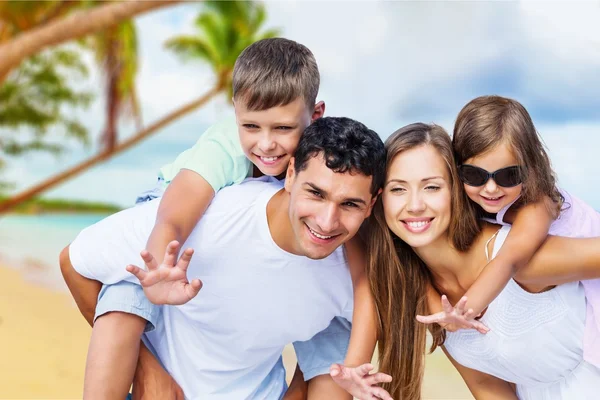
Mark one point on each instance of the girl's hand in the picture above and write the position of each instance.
(454, 318)
(359, 383)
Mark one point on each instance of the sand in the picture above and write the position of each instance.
(43, 341)
(43, 345)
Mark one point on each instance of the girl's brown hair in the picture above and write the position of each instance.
(399, 279)
(488, 121)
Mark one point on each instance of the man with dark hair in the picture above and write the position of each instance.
(271, 263)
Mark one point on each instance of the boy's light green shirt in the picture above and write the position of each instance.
(217, 156)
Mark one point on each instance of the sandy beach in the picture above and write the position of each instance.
(43, 341)
(43, 344)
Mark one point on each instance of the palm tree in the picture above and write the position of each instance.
(116, 53)
(74, 26)
(115, 49)
(223, 30)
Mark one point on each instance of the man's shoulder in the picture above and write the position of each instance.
(245, 194)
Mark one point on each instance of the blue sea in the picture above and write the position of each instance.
(32, 243)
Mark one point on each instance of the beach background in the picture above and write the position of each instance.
(386, 64)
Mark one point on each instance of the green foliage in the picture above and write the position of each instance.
(38, 97)
(36, 206)
(223, 31)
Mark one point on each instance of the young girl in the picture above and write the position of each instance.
(507, 175)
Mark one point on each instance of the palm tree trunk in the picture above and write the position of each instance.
(106, 154)
(71, 27)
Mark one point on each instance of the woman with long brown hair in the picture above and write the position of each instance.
(423, 234)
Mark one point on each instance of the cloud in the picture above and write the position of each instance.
(386, 64)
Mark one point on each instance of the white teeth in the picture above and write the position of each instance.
(318, 235)
(417, 224)
(269, 159)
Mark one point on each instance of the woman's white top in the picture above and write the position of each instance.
(535, 341)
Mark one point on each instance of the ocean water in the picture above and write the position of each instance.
(32, 243)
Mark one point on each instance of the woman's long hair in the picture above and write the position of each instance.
(399, 278)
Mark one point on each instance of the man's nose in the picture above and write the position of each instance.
(328, 219)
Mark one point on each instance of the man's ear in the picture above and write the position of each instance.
(373, 200)
(290, 175)
(318, 111)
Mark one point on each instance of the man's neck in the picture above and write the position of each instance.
(278, 219)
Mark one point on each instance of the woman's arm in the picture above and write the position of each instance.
(483, 386)
(560, 260)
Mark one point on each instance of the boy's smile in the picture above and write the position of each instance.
(270, 137)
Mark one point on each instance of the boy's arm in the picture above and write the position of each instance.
(182, 205)
(529, 230)
(483, 386)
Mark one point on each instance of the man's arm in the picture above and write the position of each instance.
(323, 387)
(84, 291)
(319, 387)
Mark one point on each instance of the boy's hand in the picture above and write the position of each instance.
(454, 318)
(167, 283)
(359, 383)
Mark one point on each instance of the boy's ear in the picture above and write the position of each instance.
(290, 175)
(318, 111)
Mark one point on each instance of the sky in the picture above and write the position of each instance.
(386, 64)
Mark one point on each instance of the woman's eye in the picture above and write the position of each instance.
(397, 190)
(432, 188)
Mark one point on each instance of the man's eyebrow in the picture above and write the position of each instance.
(325, 194)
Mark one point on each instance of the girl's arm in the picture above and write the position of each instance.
(529, 230)
(482, 385)
(560, 260)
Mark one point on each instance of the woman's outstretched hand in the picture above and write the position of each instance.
(359, 382)
(454, 318)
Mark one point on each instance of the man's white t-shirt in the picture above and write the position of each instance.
(256, 297)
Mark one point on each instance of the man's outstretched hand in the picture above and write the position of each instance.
(359, 382)
(167, 283)
(454, 318)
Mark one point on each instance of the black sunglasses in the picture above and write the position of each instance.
(505, 177)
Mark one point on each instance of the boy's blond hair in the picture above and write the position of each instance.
(275, 72)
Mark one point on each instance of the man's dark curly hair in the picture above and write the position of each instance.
(346, 145)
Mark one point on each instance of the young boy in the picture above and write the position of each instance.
(275, 85)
